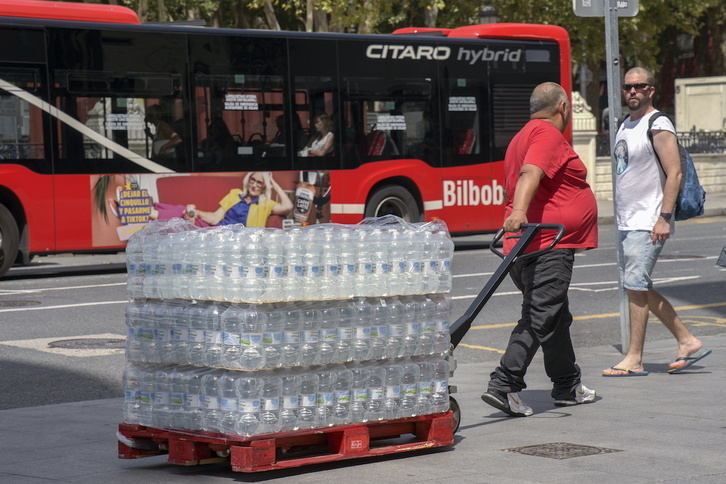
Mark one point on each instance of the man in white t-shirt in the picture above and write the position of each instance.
(645, 194)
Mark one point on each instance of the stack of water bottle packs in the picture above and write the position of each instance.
(253, 331)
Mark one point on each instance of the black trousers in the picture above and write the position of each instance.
(546, 319)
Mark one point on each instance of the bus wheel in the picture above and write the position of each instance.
(393, 200)
(9, 239)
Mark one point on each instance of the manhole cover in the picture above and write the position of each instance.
(561, 450)
(681, 256)
(18, 304)
(89, 344)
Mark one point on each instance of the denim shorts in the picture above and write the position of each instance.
(640, 256)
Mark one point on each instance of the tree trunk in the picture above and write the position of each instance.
(163, 14)
(430, 16)
(309, 12)
(143, 10)
(321, 21)
(272, 22)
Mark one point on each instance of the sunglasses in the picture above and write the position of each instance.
(641, 86)
(255, 181)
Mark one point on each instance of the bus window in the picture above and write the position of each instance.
(139, 112)
(387, 119)
(315, 108)
(510, 112)
(21, 123)
(465, 121)
(237, 122)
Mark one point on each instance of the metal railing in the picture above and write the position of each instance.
(693, 141)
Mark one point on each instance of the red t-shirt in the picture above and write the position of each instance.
(563, 196)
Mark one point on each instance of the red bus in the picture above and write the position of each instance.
(106, 125)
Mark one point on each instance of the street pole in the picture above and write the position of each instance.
(614, 104)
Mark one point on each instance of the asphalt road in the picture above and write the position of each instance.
(62, 317)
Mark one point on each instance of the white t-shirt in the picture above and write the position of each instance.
(639, 179)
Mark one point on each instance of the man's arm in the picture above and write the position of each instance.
(666, 146)
(524, 191)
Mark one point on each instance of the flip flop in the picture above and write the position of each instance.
(628, 372)
(690, 360)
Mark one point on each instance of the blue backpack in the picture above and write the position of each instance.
(691, 197)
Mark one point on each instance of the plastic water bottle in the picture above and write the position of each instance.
(196, 312)
(348, 264)
(329, 321)
(134, 324)
(364, 283)
(310, 334)
(197, 243)
(345, 331)
(430, 262)
(131, 384)
(409, 389)
(313, 264)
(412, 318)
(193, 398)
(295, 256)
(232, 321)
(212, 335)
(161, 411)
(147, 332)
(362, 324)
(414, 269)
(307, 415)
(145, 396)
(289, 404)
(393, 395)
(445, 249)
(165, 330)
(277, 273)
(425, 386)
(376, 392)
(442, 336)
(214, 268)
(177, 390)
(397, 269)
(272, 337)
(270, 404)
(210, 401)
(153, 267)
(327, 377)
(180, 331)
(330, 280)
(135, 267)
(427, 312)
(228, 403)
(291, 335)
(396, 328)
(380, 241)
(181, 277)
(440, 397)
(253, 283)
(359, 392)
(164, 269)
(342, 393)
(254, 321)
(249, 392)
(231, 258)
(379, 328)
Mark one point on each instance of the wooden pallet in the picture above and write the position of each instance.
(288, 449)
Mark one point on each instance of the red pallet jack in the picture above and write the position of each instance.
(284, 450)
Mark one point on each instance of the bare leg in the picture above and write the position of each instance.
(687, 343)
(639, 311)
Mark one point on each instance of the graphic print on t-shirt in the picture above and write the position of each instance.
(621, 156)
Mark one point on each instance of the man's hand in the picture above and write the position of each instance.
(661, 231)
(514, 222)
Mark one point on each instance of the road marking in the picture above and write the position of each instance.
(692, 320)
(42, 289)
(41, 344)
(64, 306)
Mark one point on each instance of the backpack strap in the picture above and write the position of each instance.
(650, 134)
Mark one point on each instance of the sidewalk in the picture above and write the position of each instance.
(644, 429)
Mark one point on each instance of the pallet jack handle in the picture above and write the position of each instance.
(462, 325)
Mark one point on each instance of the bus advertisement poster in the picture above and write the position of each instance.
(125, 203)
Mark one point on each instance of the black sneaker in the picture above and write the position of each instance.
(509, 403)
